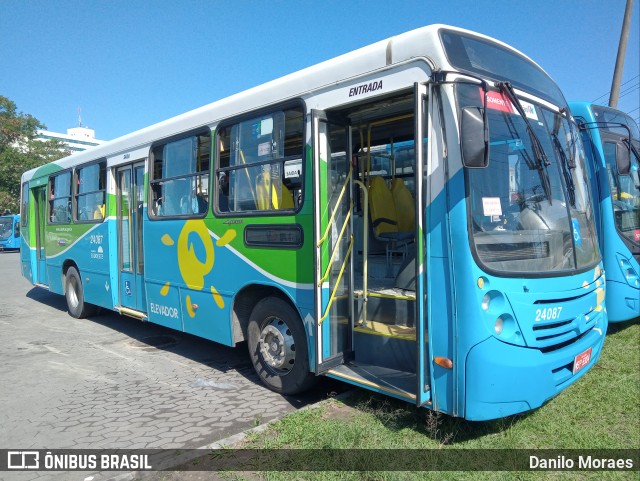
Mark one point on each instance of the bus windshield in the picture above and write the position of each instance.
(490, 60)
(6, 227)
(625, 189)
(530, 210)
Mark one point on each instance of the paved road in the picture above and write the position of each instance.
(114, 382)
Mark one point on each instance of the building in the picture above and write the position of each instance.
(76, 139)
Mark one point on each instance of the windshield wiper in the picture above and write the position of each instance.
(567, 164)
(542, 161)
(566, 170)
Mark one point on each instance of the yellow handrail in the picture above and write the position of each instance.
(333, 294)
(335, 248)
(335, 209)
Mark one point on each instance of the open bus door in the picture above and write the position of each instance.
(332, 189)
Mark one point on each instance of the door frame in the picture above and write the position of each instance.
(135, 238)
(41, 210)
(323, 289)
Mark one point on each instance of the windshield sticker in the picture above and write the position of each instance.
(529, 109)
(491, 206)
(497, 101)
(577, 238)
(264, 149)
(293, 168)
(266, 126)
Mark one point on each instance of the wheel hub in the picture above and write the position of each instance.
(277, 346)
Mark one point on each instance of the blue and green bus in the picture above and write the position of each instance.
(612, 142)
(412, 217)
(9, 232)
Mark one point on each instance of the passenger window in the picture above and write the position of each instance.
(60, 198)
(260, 163)
(180, 185)
(91, 184)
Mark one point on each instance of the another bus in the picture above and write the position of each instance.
(612, 142)
(9, 232)
(366, 218)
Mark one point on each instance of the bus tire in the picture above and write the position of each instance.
(278, 347)
(74, 293)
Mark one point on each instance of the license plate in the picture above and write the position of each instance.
(581, 360)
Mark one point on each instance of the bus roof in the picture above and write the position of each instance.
(421, 43)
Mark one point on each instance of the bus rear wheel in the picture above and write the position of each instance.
(278, 347)
(74, 293)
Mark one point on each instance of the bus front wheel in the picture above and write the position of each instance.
(278, 347)
(74, 293)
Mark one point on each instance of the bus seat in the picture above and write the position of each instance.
(384, 220)
(99, 212)
(381, 207)
(286, 199)
(405, 206)
(272, 195)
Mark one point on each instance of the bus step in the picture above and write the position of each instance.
(390, 310)
(395, 383)
(125, 311)
(387, 330)
(385, 345)
(44, 286)
(388, 293)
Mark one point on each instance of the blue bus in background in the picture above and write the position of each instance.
(611, 142)
(9, 232)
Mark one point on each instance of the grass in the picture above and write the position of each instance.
(600, 411)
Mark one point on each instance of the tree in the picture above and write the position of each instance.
(20, 151)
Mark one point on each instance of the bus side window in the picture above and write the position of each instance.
(180, 182)
(90, 192)
(60, 198)
(259, 163)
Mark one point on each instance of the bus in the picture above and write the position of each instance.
(412, 218)
(612, 142)
(9, 232)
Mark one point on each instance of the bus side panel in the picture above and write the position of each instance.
(28, 260)
(204, 264)
(163, 280)
(440, 300)
(627, 305)
(86, 246)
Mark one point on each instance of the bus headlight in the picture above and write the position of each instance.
(506, 327)
(486, 300)
(629, 273)
(498, 326)
(493, 302)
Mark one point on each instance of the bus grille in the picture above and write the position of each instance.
(555, 335)
(513, 251)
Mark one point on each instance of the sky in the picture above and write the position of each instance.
(127, 64)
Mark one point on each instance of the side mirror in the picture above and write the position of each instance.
(623, 158)
(474, 138)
